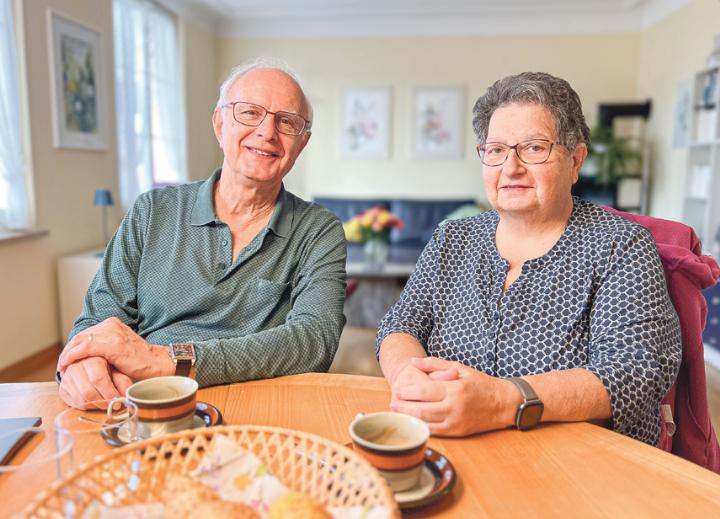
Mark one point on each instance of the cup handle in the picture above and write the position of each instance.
(357, 417)
(117, 416)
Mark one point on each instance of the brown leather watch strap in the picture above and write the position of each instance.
(182, 368)
(183, 356)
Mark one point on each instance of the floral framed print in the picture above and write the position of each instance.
(365, 123)
(437, 125)
(76, 75)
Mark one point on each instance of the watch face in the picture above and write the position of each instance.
(529, 414)
(185, 351)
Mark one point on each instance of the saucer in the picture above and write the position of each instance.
(437, 480)
(206, 415)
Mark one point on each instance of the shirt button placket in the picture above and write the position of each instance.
(222, 265)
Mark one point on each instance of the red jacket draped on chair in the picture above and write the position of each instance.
(687, 273)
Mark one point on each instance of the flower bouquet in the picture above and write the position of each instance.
(372, 227)
(372, 224)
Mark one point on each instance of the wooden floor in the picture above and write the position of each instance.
(356, 355)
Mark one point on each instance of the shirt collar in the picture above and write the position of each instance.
(203, 212)
(282, 218)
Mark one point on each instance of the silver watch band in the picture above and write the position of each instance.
(526, 389)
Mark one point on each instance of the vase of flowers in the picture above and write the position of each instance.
(376, 253)
(372, 227)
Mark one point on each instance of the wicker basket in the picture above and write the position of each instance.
(136, 473)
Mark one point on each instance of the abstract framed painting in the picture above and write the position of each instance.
(437, 122)
(365, 123)
(76, 75)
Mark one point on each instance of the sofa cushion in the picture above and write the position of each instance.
(420, 218)
(346, 208)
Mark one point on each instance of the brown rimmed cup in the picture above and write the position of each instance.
(394, 443)
(164, 404)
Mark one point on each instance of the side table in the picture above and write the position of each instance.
(377, 291)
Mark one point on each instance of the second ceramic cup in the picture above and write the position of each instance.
(394, 443)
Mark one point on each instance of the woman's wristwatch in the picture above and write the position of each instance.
(183, 355)
(530, 410)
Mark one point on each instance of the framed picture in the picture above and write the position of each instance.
(75, 56)
(437, 125)
(365, 123)
(681, 114)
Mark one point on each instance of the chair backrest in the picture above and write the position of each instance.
(687, 272)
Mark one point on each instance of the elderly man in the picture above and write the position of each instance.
(229, 279)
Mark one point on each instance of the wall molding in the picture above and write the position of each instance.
(464, 18)
(22, 368)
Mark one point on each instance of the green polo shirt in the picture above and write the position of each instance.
(276, 310)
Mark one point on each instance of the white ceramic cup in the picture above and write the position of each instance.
(393, 443)
(164, 404)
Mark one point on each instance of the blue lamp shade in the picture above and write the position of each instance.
(103, 198)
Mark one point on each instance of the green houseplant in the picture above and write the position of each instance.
(614, 157)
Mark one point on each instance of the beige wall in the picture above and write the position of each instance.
(670, 52)
(63, 181)
(201, 90)
(601, 68)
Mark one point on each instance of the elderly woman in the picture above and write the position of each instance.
(546, 308)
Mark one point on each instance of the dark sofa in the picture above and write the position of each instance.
(421, 217)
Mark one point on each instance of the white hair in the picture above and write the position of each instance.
(261, 63)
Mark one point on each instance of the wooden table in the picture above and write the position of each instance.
(556, 470)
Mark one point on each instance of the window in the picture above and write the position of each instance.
(149, 108)
(14, 207)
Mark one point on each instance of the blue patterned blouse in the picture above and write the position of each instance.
(597, 300)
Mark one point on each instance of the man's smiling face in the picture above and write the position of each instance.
(261, 154)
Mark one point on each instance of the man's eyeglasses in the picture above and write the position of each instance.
(251, 114)
(535, 151)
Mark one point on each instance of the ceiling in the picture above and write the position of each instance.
(335, 18)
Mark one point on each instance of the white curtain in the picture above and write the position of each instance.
(150, 120)
(168, 121)
(14, 207)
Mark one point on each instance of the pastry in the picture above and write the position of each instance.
(187, 498)
(297, 506)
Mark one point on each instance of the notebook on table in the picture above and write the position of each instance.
(14, 433)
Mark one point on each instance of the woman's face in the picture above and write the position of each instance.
(538, 191)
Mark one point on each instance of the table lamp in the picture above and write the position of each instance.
(103, 198)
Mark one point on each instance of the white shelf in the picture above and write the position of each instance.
(701, 203)
(704, 144)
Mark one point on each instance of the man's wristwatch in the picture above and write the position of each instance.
(530, 410)
(183, 355)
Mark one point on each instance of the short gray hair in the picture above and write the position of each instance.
(261, 63)
(538, 88)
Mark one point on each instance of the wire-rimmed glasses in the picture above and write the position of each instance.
(534, 151)
(251, 114)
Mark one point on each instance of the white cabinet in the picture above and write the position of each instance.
(75, 273)
(701, 205)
